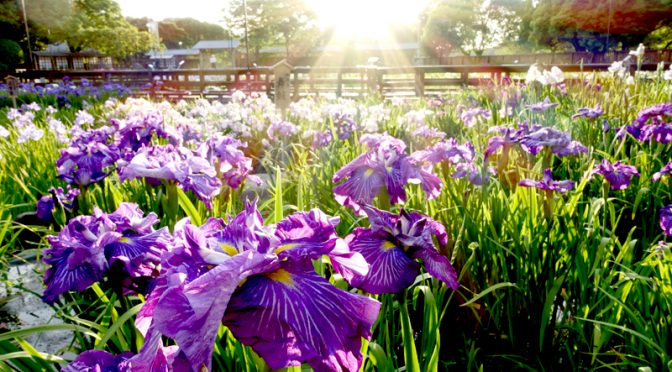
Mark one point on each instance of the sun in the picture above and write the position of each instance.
(369, 20)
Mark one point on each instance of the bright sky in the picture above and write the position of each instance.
(350, 17)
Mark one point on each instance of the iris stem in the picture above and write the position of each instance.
(172, 202)
(410, 353)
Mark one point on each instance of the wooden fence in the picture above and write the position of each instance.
(354, 81)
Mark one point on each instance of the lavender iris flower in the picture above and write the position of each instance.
(462, 157)
(89, 246)
(541, 106)
(231, 164)
(137, 131)
(470, 116)
(559, 143)
(178, 164)
(666, 219)
(259, 282)
(384, 165)
(590, 113)
(667, 169)
(548, 184)
(97, 360)
(391, 245)
(618, 175)
(281, 130)
(659, 130)
(56, 196)
(88, 158)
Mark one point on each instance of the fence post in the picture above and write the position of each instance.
(372, 79)
(339, 84)
(281, 84)
(419, 83)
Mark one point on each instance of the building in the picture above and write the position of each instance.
(223, 50)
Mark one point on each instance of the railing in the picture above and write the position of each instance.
(339, 81)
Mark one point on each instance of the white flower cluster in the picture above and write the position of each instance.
(545, 77)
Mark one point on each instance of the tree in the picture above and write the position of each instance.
(98, 24)
(287, 22)
(471, 26)
(593, 25)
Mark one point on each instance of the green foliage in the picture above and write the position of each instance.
(188, 31)
(586, 25)
(98, 24)
(11, 54)
(470, 26)
(287, 22)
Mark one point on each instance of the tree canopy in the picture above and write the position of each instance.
(471, 26)
(187, 31)
(587, 24)
(290, 23)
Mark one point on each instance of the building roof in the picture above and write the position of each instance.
(170, 53)
(216, 44)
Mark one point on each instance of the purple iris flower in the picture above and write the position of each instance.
(384, 165)
(97, 361)
(318, 139)
(667, 169)
(281, 130)
(137, 131)
(508, 136)
(618, 175)
(658, 130)
(548, 184)
(391, 245)
(559, 142)
(429, 133)
(56, 196)
(666, 219)
(88, 247)
(470, 116)
(462, 157)
(541, 106)
(179, 164)
(259, 281)
(88, 158)
(590, 113)
(225, 154)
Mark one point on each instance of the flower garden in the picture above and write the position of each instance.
(518, 225)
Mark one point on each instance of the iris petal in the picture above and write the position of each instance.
(390, 269)
(292, 316)
(191, 312)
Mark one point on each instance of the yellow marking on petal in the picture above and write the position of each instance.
(228, 249)
(281, 276)
(283, 247)
(388, 245)
(124, 239)
(368, 172)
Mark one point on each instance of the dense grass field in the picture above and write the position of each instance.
(513, 226)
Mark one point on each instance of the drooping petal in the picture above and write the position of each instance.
(390, 269)
(305, 235)
(73, 267)
(190, 313)
(291, 316)
(361, 188)
(438, 266)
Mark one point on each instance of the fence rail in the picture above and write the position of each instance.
(346, 81)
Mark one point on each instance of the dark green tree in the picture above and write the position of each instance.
(593, 25)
